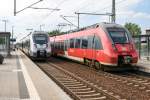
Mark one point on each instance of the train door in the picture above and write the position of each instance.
(65, 47)
(84, 46)
(93, 49)
(97, 46)
(90, 47)
(78, 48)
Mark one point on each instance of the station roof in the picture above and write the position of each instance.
(5, 34)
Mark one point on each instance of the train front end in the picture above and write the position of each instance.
(122, 50)
(40, 46)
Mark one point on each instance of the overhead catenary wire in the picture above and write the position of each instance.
(68, 21)
(45, 17)
(59, 4)
(110, 6)
(56, 7)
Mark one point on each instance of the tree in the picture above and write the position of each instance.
(133, 28)
(54, 32)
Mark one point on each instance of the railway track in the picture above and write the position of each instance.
(132, 80)
(121, 86)
(144, 82)
(76, 87)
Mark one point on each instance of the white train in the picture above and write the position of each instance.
(36, 45)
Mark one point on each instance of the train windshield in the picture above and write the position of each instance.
(118, 35)
(40, 39)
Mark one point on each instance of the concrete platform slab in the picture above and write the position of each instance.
(12, 84)
(21, 79)
(143, 65)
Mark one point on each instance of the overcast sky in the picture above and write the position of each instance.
(136, 11)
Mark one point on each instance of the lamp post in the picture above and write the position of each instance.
(5, 21)
(41, 27)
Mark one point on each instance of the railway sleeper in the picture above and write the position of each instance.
(96, 98)
(85, 92)
(76, 87)
(71, 82)
(82, 89)
(62, 77)
(90, 95)
(65, 77)
(147, 83)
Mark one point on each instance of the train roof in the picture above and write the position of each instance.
(35, 32)
(39, 32)
(103, 25)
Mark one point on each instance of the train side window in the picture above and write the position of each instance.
(98, 43)
(71, 43)
(56, 45)
(84, 42)
(62, 45)
(68, 44)
(59, 45)
(65, 45)
(77, 43)
(90, 42)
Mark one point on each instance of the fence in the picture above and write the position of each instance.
(142, 43)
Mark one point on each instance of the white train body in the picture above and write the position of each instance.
(36, 45)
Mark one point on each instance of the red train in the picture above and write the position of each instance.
(99, 44)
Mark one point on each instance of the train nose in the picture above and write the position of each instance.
(123, 48)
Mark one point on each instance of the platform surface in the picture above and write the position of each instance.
(21, 79)
(144, 65)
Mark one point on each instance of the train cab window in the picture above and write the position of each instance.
(84, 42)
(118, 35)
(40, 38)
(98, 43)
(77, 43)
(90, 42)
(71, 43)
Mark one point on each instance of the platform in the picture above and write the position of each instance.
(143, 65)
(21, 79)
